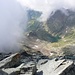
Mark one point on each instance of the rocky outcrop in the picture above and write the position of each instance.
(10, 61)
(57, 67)
(36, 64)
(13, 65)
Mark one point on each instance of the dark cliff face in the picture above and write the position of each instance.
(60, 23)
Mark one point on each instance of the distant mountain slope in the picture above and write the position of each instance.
(36, 28)
(56, 36)
(61, 22)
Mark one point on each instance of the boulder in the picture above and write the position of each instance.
(10, 71)
(28, 69)
(57, 67)
(10, 61)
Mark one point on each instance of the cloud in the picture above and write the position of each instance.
(47, 6)
(12, 17)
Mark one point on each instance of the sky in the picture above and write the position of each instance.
(47, 6)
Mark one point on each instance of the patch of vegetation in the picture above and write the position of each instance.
(69, 38)
(44, 35)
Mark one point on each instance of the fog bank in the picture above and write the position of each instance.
(12, 18)
(47, 6)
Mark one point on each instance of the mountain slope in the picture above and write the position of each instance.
(60, 23)
(54, 36)
(36, 28)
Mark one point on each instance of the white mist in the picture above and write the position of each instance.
(12, 17)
